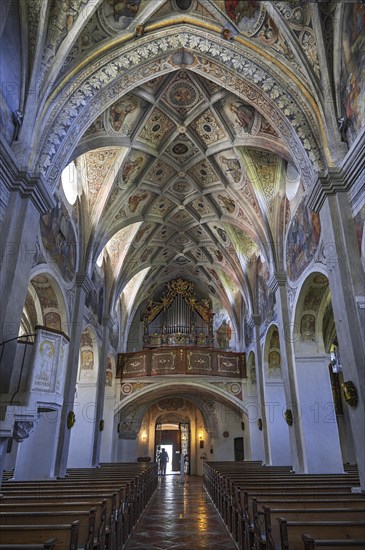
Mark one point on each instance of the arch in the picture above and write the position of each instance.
(110, 77)
(49, 302)
(167, 387)
(318, 382)
(272, 354)
(89, 356)
(313, 297)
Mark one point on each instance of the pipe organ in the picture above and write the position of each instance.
(178, 318)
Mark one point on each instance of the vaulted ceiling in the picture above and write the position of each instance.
(180, 176)
(180, 195)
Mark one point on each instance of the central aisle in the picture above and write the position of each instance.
(179, 517)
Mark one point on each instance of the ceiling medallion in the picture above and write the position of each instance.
(181, 260)
(182, 94)
(183, 5)
(181, 187)
(180, 149)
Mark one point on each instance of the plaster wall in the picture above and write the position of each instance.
(82, 433)
(322, 448)
(280, 454)
(37, 454)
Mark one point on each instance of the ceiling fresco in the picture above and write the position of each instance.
(181, 118)
(192, 200)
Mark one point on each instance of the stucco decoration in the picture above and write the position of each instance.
(156, 127)
(182, 95)
(97, 165)
(121, 73)
(299, 17)
(208, 129)
(62, 17)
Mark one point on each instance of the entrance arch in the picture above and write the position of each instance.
(215, 420)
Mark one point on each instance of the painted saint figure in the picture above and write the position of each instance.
(224, 334)
(245, 115)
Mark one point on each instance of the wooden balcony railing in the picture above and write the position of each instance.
(184, 360)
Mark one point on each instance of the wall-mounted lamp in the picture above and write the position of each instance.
(201, 440)
(144, 436)
(200, 435)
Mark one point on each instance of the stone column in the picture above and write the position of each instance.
(26, 199)
(277, 284)
(329, 197)
(100, 391)
(83, 286)
(256, 321)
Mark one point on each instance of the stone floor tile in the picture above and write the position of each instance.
(180, 517)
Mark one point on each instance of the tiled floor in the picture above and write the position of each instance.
(180, 517)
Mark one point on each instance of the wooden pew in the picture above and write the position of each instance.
(233, 486)
(291, 531)
(136, 483)
(267, 534)
(66, 535)
(312, 544)
(86, 520)
(48, 545)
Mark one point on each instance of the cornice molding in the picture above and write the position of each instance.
(108, 321)
(83, 281)
(255, 319)
(29, 185)
(278, 279)
(326, 185)
(339, 180)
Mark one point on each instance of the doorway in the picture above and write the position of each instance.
(175, 438)
(239, 454)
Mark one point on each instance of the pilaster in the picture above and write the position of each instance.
(83, 285)
(347, 284)
(277, 284)
(24, 198)
(256, 322)
(100, 392)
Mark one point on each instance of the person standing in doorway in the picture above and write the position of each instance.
(164, 458)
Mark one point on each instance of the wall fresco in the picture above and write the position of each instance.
(353, 70)
(302, 241)
(59, 240)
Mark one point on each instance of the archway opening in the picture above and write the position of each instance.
(175, 439)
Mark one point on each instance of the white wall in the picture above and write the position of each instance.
(82, 434)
